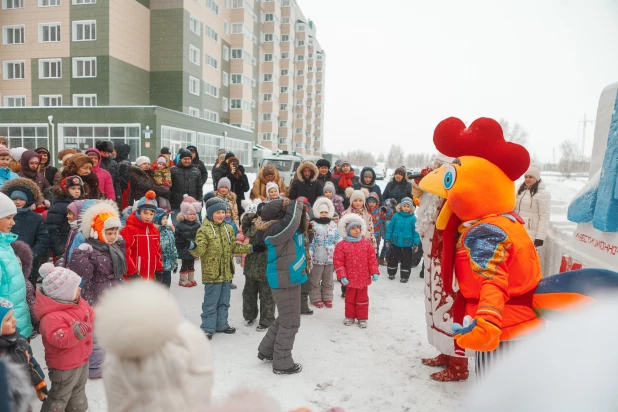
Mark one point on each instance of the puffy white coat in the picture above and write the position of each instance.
(534, 210)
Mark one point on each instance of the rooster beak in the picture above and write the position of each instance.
(434, 183)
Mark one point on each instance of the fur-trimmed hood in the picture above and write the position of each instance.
(274, 211)
(263, 178)
(310, 165)
(87, 217)
(344, 221)
(323, 201)
(373, 177)
(24, 253)
(11, 185)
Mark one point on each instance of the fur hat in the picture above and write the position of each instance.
(534, 171)
(322, 163)
(72, 181)
(271, 185)
(174, 349)
(184, 153)
(16, 153)
(214, 205)
(79, 160)
(98, 217)
(5, 308)
(224, 182)
(59, 283)
(104, 146)
(311, 166)
(350, 220)
(159, 215)
(149, 201)
(400, 171)
(190, 206)
(65, 155)
(329, 187)
(141, 160)
(323, 204)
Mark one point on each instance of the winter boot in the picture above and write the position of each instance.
(456, 371)
(440, 360)
(209, 336)
(192, 281)
(382, 262)
(403, 280)
(362, 324)
(391, 277)
(289, 371)
(249, 322)
(184, 282)
(230, 330)
(348, 321)
(318, 304)
(233, 286)
(261, 328)
(328, 304)
(264, 358)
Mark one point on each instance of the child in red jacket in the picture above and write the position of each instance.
(356, 266)
(143, 241)
(66, 328)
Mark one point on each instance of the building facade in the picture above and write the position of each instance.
(243, 72)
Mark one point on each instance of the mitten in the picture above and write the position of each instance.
(41, 390)
(258, 248)
(538, 243)
(479, 335)
(374, 277)
(344, 281)
(82, 329)
(302, 199)
(85, 247)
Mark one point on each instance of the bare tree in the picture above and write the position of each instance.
(395, 157)
(381, 157)
(514, 132)
(360, 158)
(569, 159)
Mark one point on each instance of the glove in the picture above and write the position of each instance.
(302, 199)
(85, 247)
(478, 334)
(258, 248)
(82, 329)
(538, 243)
(415, 249)
(41, 390)
(388, 244)
(344, 281)
(374, 277)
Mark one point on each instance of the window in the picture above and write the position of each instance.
(285, 55)
(12, 4)
(50, 69)
(49, 32)
(50, 100)
(30, 135)
(84, 2)
(240, 104)
(13, 34)
(226, 27)
(284, 72)
(285, 20)
(299, 130)
(84, 67)
(83, 136)
(285, 37)
(226, 79)
(267, 117)
(210, 32)
(212, 116)
(284, 89)
(224, 104)
(14, 70)
(283, 106)
(211, 90)
(283, 123)
(299, 102)
(300, 58)
(301, 43)
(14, 101)
(320, 57)
(236, 53)
(300, 72)
(241, 148)
(195, 25)
(212, 5)
(285, 3)
(194, 112)
(299, 115)
(300, 86)
(84, 100)
(267, 97)
(85, 30)
(238, 78)
(268, 37)
(269, 17)
(267, 136)
(174, 137)
(301, 28)
(211, 61)
(268, 57)
(268, 77)
(49, 3)
(253, 104)
(207, 146)
(226, 53)
(194, 55)
(194, 86)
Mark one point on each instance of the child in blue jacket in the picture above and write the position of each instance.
(403, 239)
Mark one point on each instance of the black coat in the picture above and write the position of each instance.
(124, 166)
(326, 178)
(199, 164)
(143, 181)
(185, 181)
(57, 225)
(371, 187)
(218, 173)
(111, 166)
(30, 229)
(240, 186)
(398, 190)
(309, 189)
(184, 235)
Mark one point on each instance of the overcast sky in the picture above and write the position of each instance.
(395, 68)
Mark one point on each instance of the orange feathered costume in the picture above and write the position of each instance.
(485, 243)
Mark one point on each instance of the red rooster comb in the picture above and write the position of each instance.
(484, 139)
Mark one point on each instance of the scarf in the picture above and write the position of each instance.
(322, 220)
(345, 179)
(118, 258)
(24, 209)
(353, 239)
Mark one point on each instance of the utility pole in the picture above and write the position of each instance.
(585, 123)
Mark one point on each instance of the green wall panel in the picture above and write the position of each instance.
(129, 85)
(97, 85)
(145, 3)
(166, 40)
(52, 86)
(166, 89)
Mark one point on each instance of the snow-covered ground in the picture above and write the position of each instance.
(376, 369)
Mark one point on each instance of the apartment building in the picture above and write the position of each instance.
(153, 73)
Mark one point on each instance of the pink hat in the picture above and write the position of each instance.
(59, 283)
(190, 206)
(162, 159)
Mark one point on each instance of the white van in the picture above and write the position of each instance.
(286, 164)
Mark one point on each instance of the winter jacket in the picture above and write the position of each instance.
(380, 215)
(535, 211)
(240, 185)
(24, 255)
(284, 237)
(6, 175)
(368, 219)
(255, 263)
(106, 183)
(124, 166)
(109, 164)
(185, 234)
(325, 238)
(185, 181)
(96, 269)
(30, 228)
(13, 283)
(142, 181)
(68, 251)
(230, 222)
(219, 171)
(63, 349)
(397, 190)
(371, 187)
(16, 348)
(259, 186)
(143, 248)
(45, 168)
(338, 203)
(244, 240)
(215, 245)
(199, 164)
(38, 178)
(169, 254)
(309, 188)
(402, 230)
(230, 198)
(56, 223)
(328, 177)
(357, 262)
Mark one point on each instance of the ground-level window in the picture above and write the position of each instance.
(207, 147)
(29, 136)
(84, 136)
(176, 138)
(241, 148)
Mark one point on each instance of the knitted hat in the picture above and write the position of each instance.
(534, 171)
(174, 348)
(213, 205)
(5, 308)
(224, 182)
(4, 151)
(271, 185)
(357, 194)
(4, 141)
(229, 154)
(94, 152)
(323, 204)
(104, 146)
(160, 214)
(75, 207)
(149, 201)
(184, 153)
(59, 283)
(373, 197)
(345, 162)
(66, 154)
(338, 162)
(79, 160)
(329, 187)
(16, 153)
(408, 201)
(165, 150)
(162, 159)
(190, 206)
(400, 171)
(19, 194)
(268, 170)
(349, 221)
(322, 163)
(221, 152)
(141, 160)
(72, 181)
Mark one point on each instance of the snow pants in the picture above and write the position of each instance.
(321, 278)
(305, 290)
(95, 362)
(165, 279)
(279, 340)
(215, 307)
(255, 286)
(483, 361)
(68, 390)
(357, 303)
(403, 255)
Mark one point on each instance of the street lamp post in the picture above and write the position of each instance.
(53, 133)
